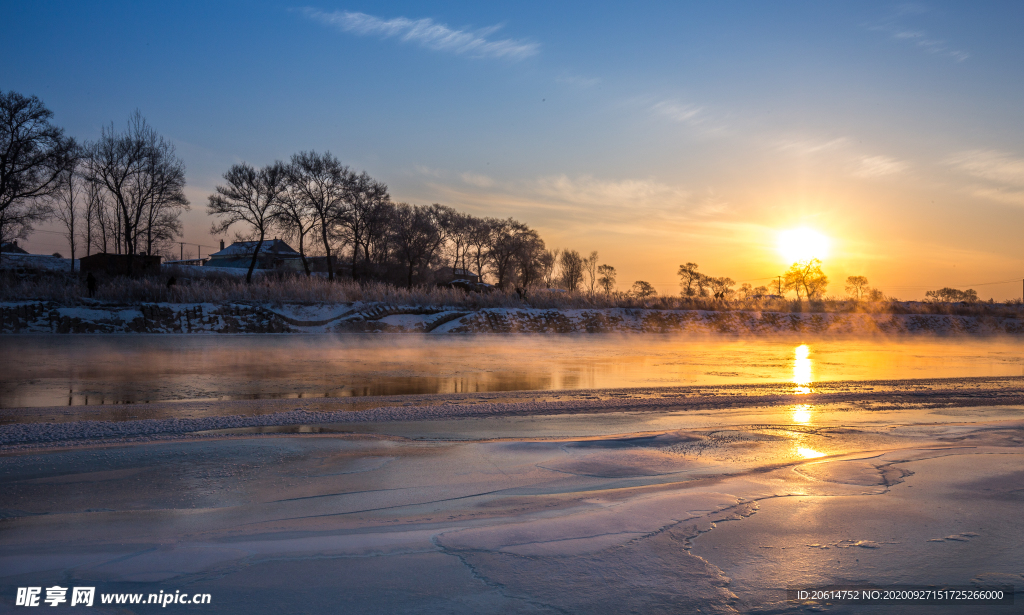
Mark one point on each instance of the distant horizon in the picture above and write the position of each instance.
(674, 134)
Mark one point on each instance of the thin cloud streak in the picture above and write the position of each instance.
(428, 33)
(918, 38)
(993, 165)
(879, 166)
(1002, 174)
(678, 112)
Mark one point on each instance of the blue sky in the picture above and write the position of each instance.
(655, 134)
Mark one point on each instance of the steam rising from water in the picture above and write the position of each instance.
(78, 370)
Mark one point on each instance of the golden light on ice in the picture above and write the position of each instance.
(802, 376)
(802, 414)
(802, 244)
(809, 453)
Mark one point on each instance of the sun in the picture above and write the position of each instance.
(802, 244)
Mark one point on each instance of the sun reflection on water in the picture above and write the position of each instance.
(802, 376)
(809, 453)
(802, 414)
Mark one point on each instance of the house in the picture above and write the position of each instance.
(274, 254)
(12, 247)
(119, 264)
(450, 274)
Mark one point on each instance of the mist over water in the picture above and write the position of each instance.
(91, 370)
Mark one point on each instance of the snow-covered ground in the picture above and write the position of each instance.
(36, 262)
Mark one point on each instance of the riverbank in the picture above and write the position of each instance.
(269, 317)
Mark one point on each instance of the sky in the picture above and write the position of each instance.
(655, 134)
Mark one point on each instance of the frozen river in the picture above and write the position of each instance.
(81, 370)
(546, 475)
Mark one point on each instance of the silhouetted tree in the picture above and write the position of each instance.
(689, 279)
(607, 278)
(642, 290)
(721, 287)
(33, 155)
(416, 237)
(479, 241)
(319, 181)
(143, 177)
(590, 270)
(952, 295)
(66, 207)
(530, 259)
(363, 214)
(251, 196)
(572, 269)
(856, 286)
(507, 239)
(806, 276)
(296, 218)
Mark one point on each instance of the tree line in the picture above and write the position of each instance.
(122, 193)
(328, 209)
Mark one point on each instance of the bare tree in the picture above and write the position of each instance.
(33, 155)
(320, 181)
(296, 218)
(607, 278)
(643, 290)
(100, 214)
(551, 267)
(572, 269)
(479, 241)
(506, 244)
(530, 259)
(166, 199)
(416, 237)
(143, 177)
(66, 208)
(952, 295)
(806, 276)
(363, 202)
(856, 286)
(590, 269)
(459, 229)
(251, 196)
(689, 279)
(721, 287)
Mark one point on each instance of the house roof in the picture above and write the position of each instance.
(246, 248)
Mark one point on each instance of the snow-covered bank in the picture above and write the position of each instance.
(97, 317)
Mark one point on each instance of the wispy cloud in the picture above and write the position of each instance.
(480, 181)
(806, 147)
(916, 37)
(679, 112)
(879, 166)
(1002, 174)
(989, 164)
(429, 34)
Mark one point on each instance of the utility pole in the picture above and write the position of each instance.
(181, 244)
(780, 285)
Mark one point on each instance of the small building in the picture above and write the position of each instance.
(12, 247)
(120, 264)
(447, 275)
(274, 254)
